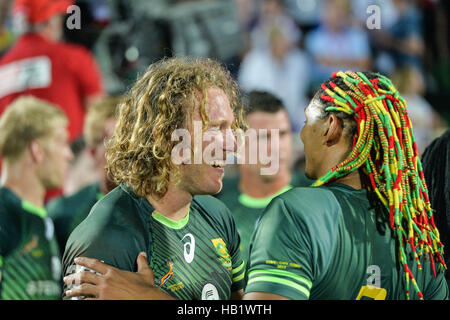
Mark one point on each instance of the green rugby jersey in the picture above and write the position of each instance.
(30, 265)
(197, 257)
(247, 210)
(330, 243)
(68, 212)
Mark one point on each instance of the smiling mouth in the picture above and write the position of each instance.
(218, 164)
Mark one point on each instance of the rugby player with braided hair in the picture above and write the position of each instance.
(365, 228)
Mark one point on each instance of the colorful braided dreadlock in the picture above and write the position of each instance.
(385, 150)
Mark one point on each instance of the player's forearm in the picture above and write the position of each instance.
(263, 296)
(237, 295)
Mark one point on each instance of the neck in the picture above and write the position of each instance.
(23, 181)
(174, 204)
(47, 33)
(103, 187)
(352, 179)
(265, 187)
(106, 185)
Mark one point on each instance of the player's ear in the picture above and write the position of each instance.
(36, 151)
(332, 130)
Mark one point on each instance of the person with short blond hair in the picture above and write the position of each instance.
(68, 211)
(35, 156)
(30, 119)
(105, 109)
(163, 206)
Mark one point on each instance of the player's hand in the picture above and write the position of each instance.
(113, 283)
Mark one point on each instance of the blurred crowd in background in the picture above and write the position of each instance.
(285, 47)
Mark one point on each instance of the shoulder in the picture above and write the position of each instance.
(308, 218)
(119, 207)
(217, 212)
(10, 221)
(356, 35)
(9, 206)
(73, 49)
(76, 57)
(114, 231)
(306, 200)
(297, 56)
(254, 59)
(66, 205)
(313, 211)
(212, 206)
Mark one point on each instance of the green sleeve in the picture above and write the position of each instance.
(10, 237)
(113, 244)
(238, 264)
(10, 233)
(234, 242)
(222, 217)
(293, 244)
(107, 234)
(110, 246)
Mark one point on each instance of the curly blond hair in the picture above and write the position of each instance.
(160, 102)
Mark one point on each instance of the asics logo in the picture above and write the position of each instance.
(189, 248)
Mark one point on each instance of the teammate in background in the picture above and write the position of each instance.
(40, 64)
(248, 194)
(35, 151)
(68, 212)
(436, 170)
(163, 207)
(366, 229)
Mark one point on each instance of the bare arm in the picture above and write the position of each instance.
(237, 295)
(263, 296)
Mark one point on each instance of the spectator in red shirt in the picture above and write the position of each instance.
(40, 64)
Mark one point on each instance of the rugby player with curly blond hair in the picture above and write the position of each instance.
(164, 208)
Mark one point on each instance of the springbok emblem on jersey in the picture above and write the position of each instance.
(30, 246)
(167, 276)
(222, 251)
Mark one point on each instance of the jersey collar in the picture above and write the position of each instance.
(169, 222)
(260, 203)
(31, 208)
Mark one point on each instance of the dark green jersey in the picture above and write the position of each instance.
(30, 265)
(246, 210)
(197, 257)
(68, 212)
(330, 243)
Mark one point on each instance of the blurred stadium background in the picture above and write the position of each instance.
(282, 46)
